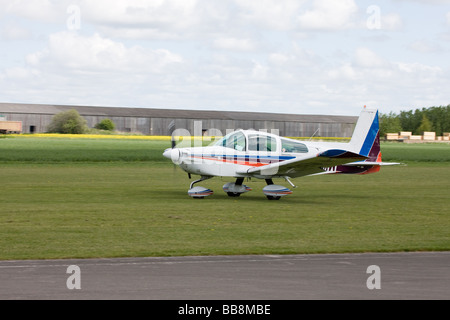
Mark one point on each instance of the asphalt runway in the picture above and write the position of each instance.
(421, 275)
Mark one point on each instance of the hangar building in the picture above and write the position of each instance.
(148, 121)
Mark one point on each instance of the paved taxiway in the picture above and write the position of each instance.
(421, 275)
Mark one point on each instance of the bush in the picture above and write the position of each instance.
(68, 122)
(106, 124)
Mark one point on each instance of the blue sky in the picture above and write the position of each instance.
(287, 56)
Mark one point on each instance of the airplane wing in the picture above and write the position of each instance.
(371, 163)
(299, 167)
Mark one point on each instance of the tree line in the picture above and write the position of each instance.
(435, 119)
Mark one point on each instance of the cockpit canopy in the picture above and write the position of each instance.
(235, 140)
(259, 141)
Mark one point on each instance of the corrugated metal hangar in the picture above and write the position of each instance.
(148, 121)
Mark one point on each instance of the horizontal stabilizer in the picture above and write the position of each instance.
(341, 154)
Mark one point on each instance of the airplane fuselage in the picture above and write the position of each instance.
(225, 161)
(247, 153)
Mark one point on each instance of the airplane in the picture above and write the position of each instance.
(246, 154)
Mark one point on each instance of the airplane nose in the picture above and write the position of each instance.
(172, 154)
(168, 153)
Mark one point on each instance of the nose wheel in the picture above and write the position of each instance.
(200, 192)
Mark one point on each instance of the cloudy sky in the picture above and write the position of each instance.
(287, 56)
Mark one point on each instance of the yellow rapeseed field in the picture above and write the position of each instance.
(93, 136)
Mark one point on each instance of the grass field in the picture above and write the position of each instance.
(82, 198)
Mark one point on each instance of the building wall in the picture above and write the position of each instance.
(38, 123)
(31, 123)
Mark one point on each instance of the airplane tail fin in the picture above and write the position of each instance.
(366, 136)
(366, 142)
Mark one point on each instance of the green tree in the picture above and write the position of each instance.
(68, 122)
(106, 124)
(425, 125)
(389, 123)
(439, 117)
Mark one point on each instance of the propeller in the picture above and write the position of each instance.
(168, 153)
(171, 128)
(174, 155)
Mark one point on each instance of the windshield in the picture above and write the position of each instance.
(234, 140)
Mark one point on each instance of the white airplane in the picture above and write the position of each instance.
(245, 154)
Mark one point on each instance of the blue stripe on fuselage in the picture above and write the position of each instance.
(245, 157)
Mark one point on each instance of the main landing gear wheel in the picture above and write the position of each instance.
(234, 190)
(233, 194)
(275, 192)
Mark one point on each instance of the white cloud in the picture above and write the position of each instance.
(230, 54)
(19, 73)
(95, 53)
(178, 19)
(146, 12)
(425, 46)
(366, 58)
(428, 2)
(260, 72)
(41, 10)
(94, 70)
(371, 79)
(329, 15)
(343, 72)
(137, 33)
(142, 18)
(295, 60)
(235, 44)
(15, 32)
(391, 21)
(425, 71)
(273, 14)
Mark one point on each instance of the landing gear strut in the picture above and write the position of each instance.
(238, 183)
(203, 178)
(270, 183)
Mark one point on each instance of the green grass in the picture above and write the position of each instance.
(413, 153)
(44, 150)
(124, 199)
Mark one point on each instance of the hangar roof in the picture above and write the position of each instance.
(172, 113)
